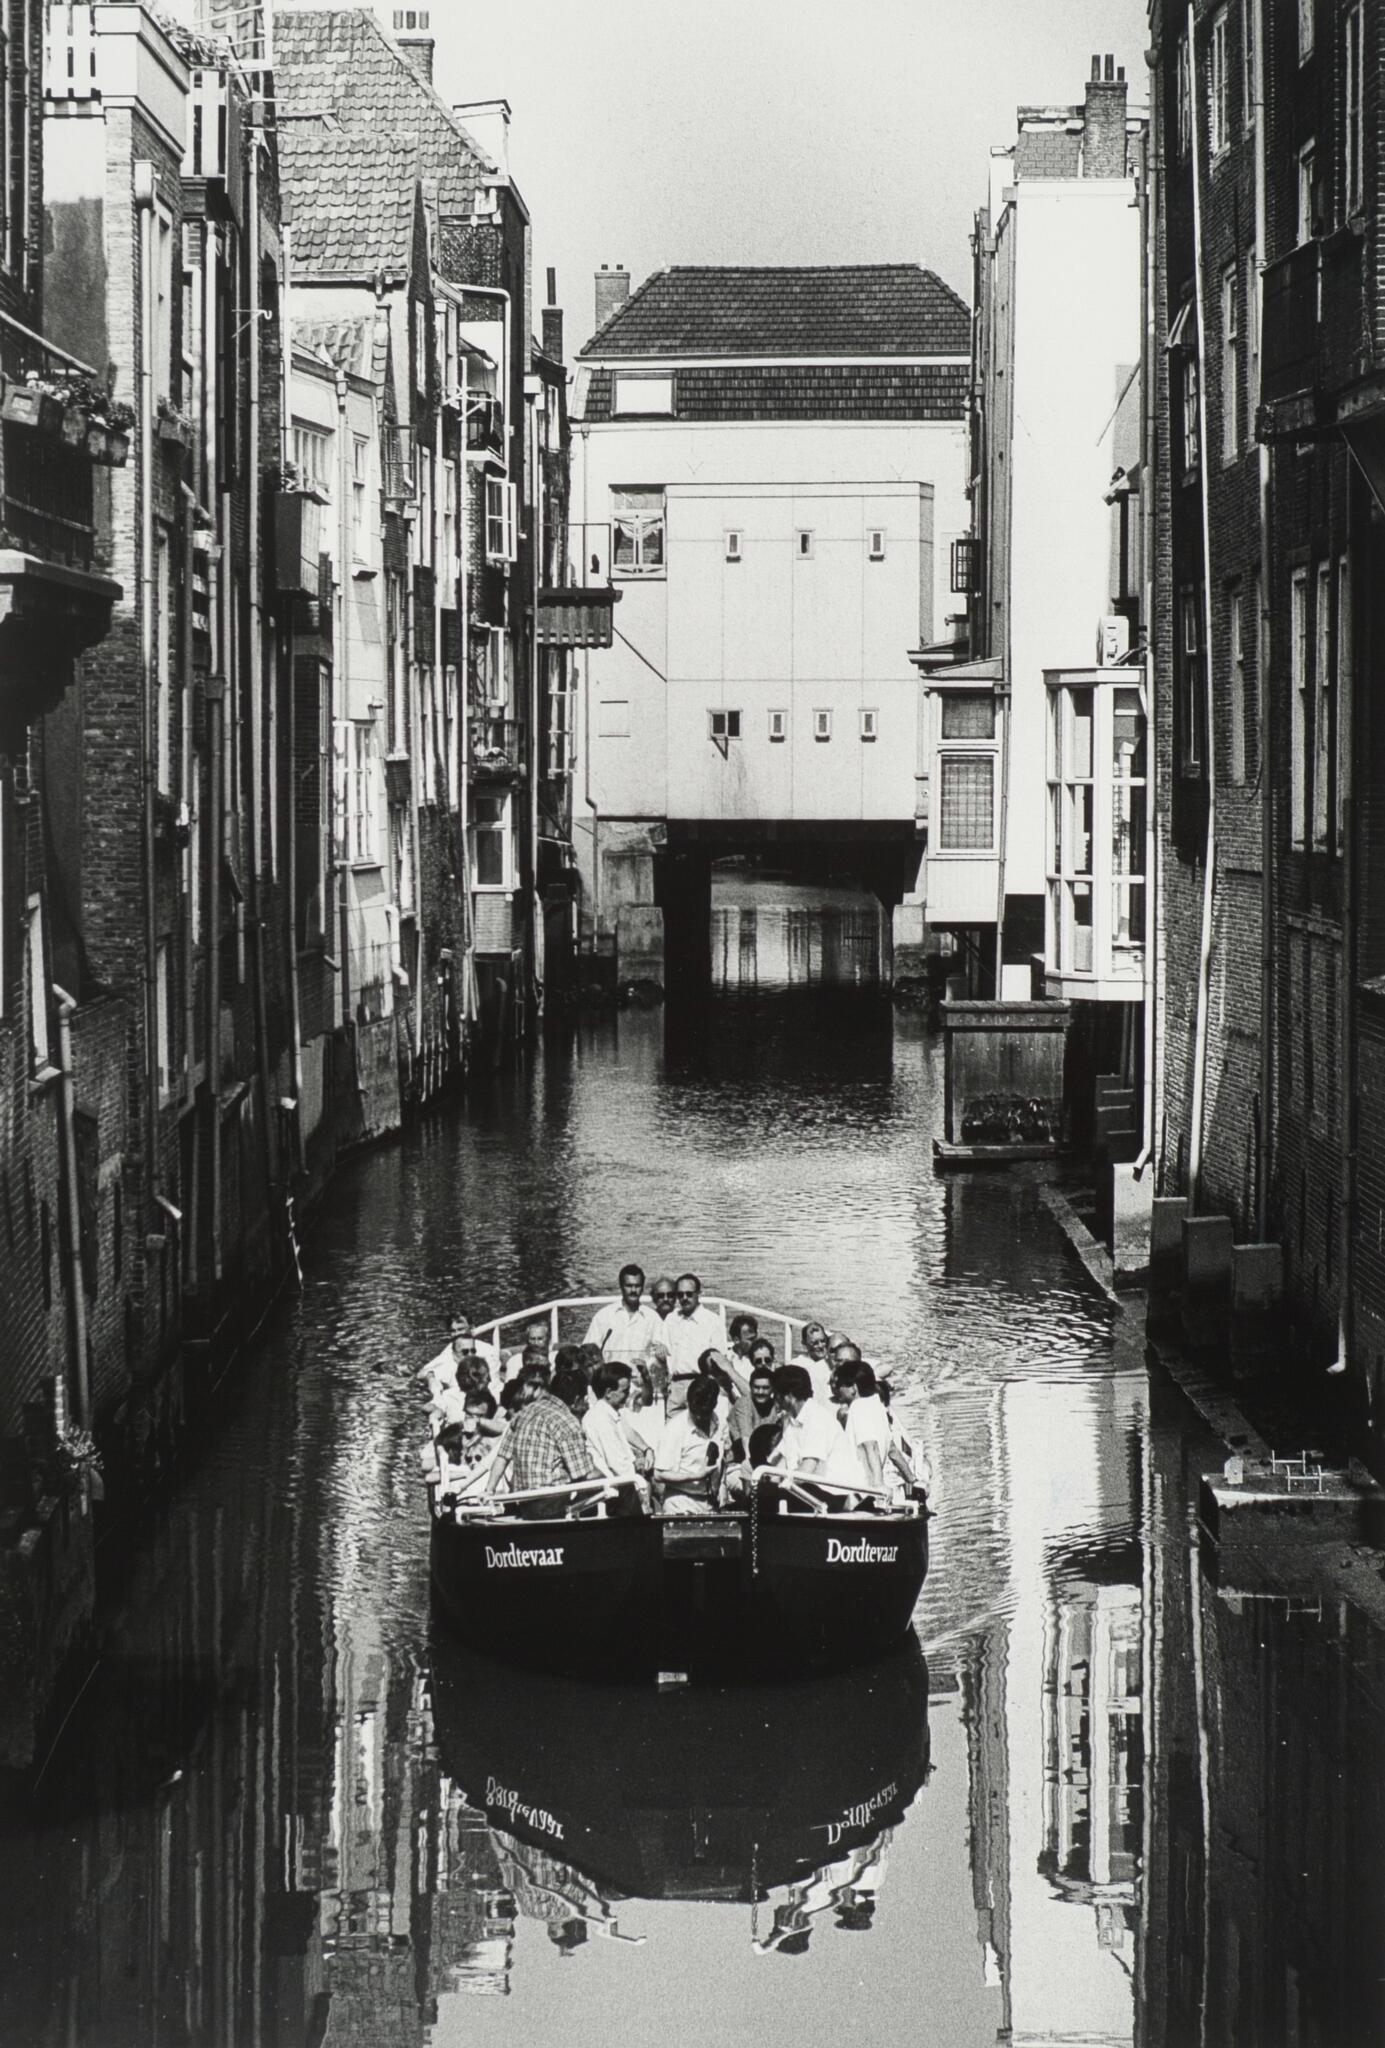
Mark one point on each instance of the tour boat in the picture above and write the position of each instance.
(723, 1791)
(808, 1574)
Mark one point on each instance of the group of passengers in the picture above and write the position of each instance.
(664, 1395)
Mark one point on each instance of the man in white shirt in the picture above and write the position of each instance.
(441, 1371)
(690, 1457)
(625, 1329)
(612, 1452)
(867, 1425)
(688, 1332)
(811, 1431)
(815, 1362)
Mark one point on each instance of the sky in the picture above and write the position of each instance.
(766, 131)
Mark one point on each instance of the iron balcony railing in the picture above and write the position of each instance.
(496, 748)
(46, 502)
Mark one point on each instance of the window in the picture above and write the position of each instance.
(1250, 87)
(448, 566)
(733, 544)
(1191, 401)
(1190, 688)
(1236, 608)
(360, 844)
(875, 544)
(1230, 381)
(1129, 781)
(803, 544)
(968, 715)
(870, 725)
(1298, 694)
(822, 725)
(38, 987)
(163, 664)
(1218, 110)
(1324, 708)
(312, 458)
(637, 519)
(613, 718)
(491, 825)
(360, 461)
(163, 1036)
(1307, 201)
(1305, 29)
(1345, 694)
(500, 520)
(163, 305)
(724, 725)
(778, 725)
(1352, 67)
(1252, 306)
(643, 395)
(1183, 98)
(966, 803)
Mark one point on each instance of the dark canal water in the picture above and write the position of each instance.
(1123, 1803)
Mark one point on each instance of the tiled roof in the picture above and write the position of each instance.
(357, 127)
(813, 391)
(358, 345)
(888, 309)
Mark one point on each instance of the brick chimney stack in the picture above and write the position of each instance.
(1104, 150)
(612, 290)
(417, 52)
(553, 322)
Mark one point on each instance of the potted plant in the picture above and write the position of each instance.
(79, 1462)
(173, 426)
(32, 404)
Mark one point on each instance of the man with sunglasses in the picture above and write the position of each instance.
(688, 1332)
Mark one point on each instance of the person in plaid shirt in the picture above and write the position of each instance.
(546, 1445)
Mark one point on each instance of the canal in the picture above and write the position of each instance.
(1123, 1802)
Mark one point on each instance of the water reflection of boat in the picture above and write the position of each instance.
(811, 1573)
(718, 1792)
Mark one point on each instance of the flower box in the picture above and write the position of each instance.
(76, 421)
(175, 430)
(97, 440)
(28, 405)
(117, 447)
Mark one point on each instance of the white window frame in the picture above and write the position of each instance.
(1353, 111)
(1307, 171)
(500, 520)
(642, 397)
(778, 726)
(733, 539)
(361, 849)
(946, 759)
(875, 544)
(360, 474)
(870, 725)
(163, 1020)
(1324, 710)
(501, 829)
(1183, 98)
(39, 1045)
(1252, 324)
(1192, 417)
(724, 724)
(163, 303)
(1191, 681)
(1230, 363)
(1235, 626)
(1250, 83)
(1298, 703)
(641, 521)
(822, 724)
(1218, 89)
(163, 662)
(312, 457)
(1305, 30)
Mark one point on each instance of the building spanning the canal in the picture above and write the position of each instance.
(1267, 317)
(285, 717)
(770, 468)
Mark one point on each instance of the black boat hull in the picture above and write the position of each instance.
(644, 1594)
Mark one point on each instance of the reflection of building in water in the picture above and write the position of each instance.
(847, 1888)
(473, 1913)
(1053, 1702)
(781, 945)
(1261, 1917)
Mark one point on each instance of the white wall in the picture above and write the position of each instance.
(1077, 337)
(770, 631)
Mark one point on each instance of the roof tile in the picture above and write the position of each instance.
(886, 309)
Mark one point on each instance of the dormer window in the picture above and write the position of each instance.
(643, 397)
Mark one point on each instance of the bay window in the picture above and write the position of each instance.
(1098, 823)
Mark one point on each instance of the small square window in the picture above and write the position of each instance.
(803, 544)
(875, 547)
(778, 725)
(725, 725)
(733, 544)
(870, 725)
(822, 725)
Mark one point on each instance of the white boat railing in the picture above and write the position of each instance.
(492, 1332)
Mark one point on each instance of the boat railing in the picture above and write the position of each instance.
(577, 1497)
(552, 1312)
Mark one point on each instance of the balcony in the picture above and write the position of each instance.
(485, 425)
(497, 749)
(576, 617)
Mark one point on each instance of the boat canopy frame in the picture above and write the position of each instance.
(491, 1332)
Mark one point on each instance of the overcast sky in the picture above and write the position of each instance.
(766, 131)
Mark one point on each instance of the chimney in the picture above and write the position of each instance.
(612, 290)
(1104, 151)
(553, 322)
(488, 121)
(417, 52)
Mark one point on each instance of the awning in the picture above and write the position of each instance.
(576, 615)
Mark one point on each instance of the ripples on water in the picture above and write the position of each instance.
(282, 1814)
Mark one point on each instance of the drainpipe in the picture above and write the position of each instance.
(214, 691)
(190, 855)
(144, 203)
(1153, 867)
(469, 1004)
(341, 692)
(588, 799)
(449, 766)
(286, 771)
(536, 545)
(1209, 873)
(76, 1289)
(1266, 1132)
(415, 789)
